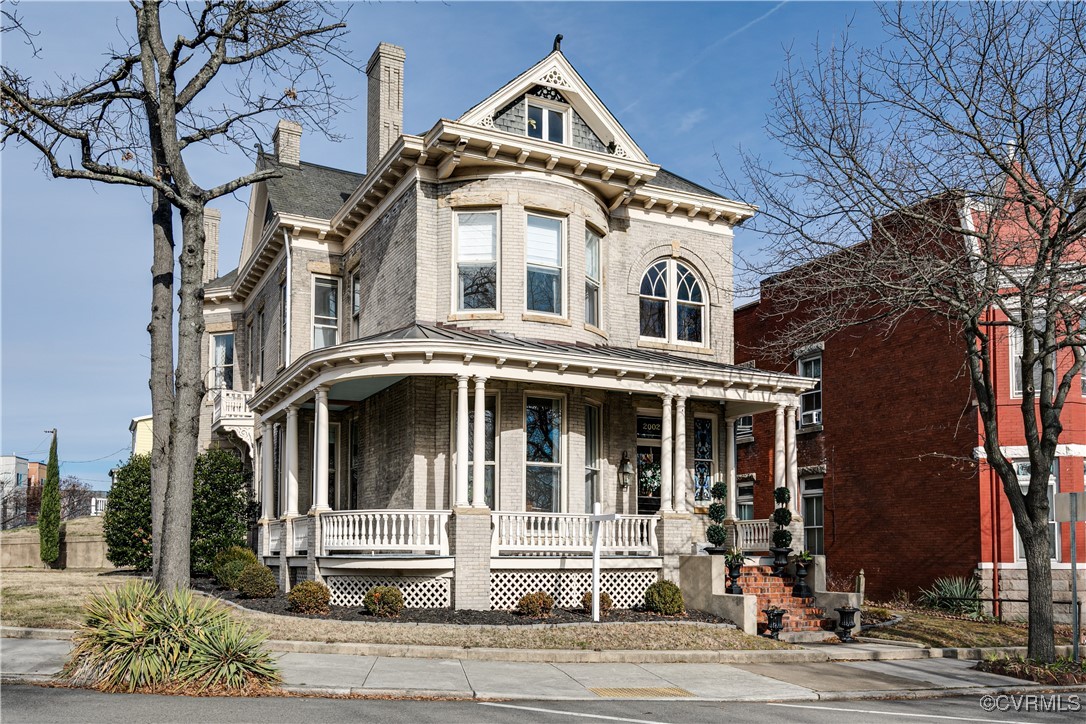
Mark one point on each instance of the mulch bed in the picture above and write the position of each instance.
(279, 606)
(1062, 672)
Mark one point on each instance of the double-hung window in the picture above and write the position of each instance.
(1022, 470)
(591, 456)
(490, 451)
(810, 402)
(282, 323)
(814, 516)
(592, 278)
(356, 303)
(325, 312)
(744, 501)
(744, 427)
(261, 336)
(222, 351)
(254, 378)
(544, 257)
(546, 123)
(477, 260)
(1014, 339)
(543, 455)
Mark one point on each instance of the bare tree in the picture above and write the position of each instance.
(938, 173)
(231, 66)
(75, 498)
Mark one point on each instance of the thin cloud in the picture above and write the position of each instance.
(690, 119)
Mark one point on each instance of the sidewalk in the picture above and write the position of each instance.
(28, 660)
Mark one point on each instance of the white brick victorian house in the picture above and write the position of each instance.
(441, 364)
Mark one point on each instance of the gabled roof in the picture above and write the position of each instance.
(308, 189)
(555, 71)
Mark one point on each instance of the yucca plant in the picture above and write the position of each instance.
(953, 593)
(136, 637)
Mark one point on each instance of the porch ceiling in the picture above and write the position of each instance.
(358, 369)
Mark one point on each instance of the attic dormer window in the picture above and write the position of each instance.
(546, 121)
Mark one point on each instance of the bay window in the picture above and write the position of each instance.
(592, 278)
(544, 264)
(543, 455)
(477, 260)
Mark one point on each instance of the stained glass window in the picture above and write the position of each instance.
(704, 460)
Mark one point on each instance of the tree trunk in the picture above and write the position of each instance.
(161, 382)
(1042, 642)
(189, 386)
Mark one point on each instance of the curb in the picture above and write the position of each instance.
(944, 693)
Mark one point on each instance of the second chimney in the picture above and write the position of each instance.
(211, 243)
(384, 101)
(288, 142)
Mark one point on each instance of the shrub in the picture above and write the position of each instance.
(257, 581)
(716, 534)
(782, 538)
(605, 602)
(718, 512)
(954, 594)
(135, 637)
(384, 601)
(782, 495)
(782, 516)
(229, 563)
(127, 524)
(309, 597)
(665, 598)
(219, 505)
(537, 604)
(49, 510)
(219, 510)
(719, 491)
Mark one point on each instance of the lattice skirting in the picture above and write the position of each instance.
(626, 587)
(418, 592)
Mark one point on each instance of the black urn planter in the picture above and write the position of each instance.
(774, 622)
(847, 615)
(802, 589)
(780, 559)
(734, 573)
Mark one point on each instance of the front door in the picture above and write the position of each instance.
(648, 479)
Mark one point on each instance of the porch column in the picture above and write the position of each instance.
(791, 472)
(679, 498)
(461, 496)
(267, 479)
(779, 456)
(666, 446)
(732, 501)
(291, 505)
(478, 470)
(320, 493)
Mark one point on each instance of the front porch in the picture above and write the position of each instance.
(406, 429)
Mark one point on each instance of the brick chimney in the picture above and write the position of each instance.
(288, 142)
(384, 101)
(211, 243)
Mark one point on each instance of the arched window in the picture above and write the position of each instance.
(672, 304)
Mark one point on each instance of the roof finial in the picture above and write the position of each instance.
(558, 42)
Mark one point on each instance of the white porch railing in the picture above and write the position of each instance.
(275, 535)
(301, 534)
(387, 531)
(563, 533)
(232, 407)
(754, 535)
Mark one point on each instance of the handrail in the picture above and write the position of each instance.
(566, 533)
(387, 531)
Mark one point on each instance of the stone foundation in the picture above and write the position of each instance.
(1014, 585)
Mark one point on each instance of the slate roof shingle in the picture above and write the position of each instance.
(308, 189)
(668, 180)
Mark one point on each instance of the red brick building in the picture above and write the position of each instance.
(891, 466)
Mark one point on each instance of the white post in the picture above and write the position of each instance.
(291, 504)
(478, 470)
(679, 499)
(791, 471)
(461, 441)
(267, 479)
(779, 461)
(666, 446)
(596, 562)
(729, 468)
(320, 495)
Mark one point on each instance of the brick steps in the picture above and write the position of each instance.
(777, 592)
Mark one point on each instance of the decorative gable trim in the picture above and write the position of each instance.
(556, 72)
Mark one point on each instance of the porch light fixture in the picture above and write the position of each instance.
(625, 471)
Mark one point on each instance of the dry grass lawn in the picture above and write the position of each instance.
(54, 599)
(650, 636)
(932, 630)
(49, 599)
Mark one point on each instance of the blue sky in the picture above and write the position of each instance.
(687, 80)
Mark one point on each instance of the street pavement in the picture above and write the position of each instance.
(27, 660)
(20, 704)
